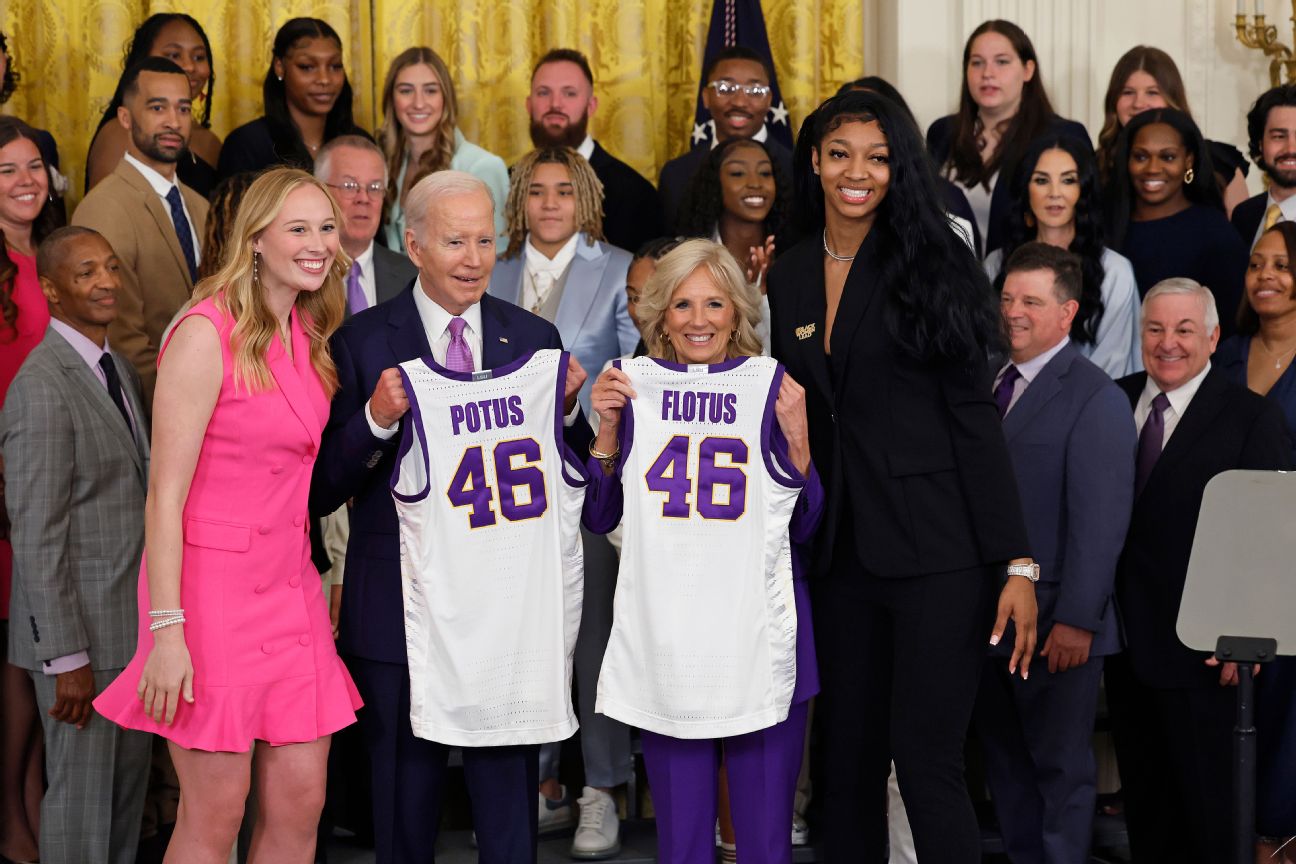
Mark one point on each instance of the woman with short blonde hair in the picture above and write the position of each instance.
(235, 647)
(420, 136)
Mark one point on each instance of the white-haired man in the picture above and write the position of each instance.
(451, 239)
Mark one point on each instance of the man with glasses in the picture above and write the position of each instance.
(354, 168)
(738, 95)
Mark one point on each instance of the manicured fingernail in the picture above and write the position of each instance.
(994, 640)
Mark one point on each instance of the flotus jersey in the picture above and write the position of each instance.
(489, 507)
(703, 641)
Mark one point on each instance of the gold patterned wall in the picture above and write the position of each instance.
(646, 56)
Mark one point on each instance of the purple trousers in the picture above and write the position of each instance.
(763, 768)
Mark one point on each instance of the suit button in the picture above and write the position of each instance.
(298, 520)
(307, 459)
(276, 469)
(294, 582)
(304, 639)
(260, 589)
(264, 529)
(267, 648)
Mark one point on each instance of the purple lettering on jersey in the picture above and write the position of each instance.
(711, 475)
(730, 408)
(456, 418)
(702, 406)
(511, 476)
(516, 417)
(669, 475)
(488, 414)
(468, 489)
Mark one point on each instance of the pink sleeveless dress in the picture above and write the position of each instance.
(258, 631)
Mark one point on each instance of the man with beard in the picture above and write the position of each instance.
(152, 221)
(738, 94)
(561, 103)
(1271, 133)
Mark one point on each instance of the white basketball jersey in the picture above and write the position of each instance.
(489, 501)
(703, 640)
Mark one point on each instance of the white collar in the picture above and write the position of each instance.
(537, 262)
(761, 135)
(586, 147)
(366, 256)
(1179, 397)
(436, 320)
(161, 185)
(1287, 207)
(1032, 367)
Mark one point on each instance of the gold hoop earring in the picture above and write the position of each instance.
(1188, 177)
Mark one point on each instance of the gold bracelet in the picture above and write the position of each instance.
(604, 457)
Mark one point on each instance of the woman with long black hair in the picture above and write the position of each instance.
(1056, 200)
(887, 317)
(307, 103)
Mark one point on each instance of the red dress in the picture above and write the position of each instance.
(33, 321)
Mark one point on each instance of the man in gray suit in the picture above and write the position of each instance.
(75, 441)
(354, 168)
(1071, 434)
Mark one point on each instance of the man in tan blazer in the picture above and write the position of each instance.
(154, 223)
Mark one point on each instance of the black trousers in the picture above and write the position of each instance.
(1175, 750)
(899, 663)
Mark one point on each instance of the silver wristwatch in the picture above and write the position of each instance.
(1030, 571)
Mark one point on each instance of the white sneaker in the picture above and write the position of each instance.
(599, 833)
(800, 831)
(555, 815)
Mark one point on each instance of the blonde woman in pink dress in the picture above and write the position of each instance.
(235, 650)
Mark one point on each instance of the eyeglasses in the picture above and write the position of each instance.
(350, 188)
(732, 88)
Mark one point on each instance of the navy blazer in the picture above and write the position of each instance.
(592, 318)
(1072, 441)
(356, 465)
(940, 140)
(1226, 426)
(1247, 217)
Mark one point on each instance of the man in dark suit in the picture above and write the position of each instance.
(76, 445)
(451, 238)
(1172, 713)
(1271, 134)
(355, 169)
(1071, 436)
(738, 95)
(561, 103)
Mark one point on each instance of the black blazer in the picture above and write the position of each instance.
(250, 147)
(940, 140)
(678, 172)
(1226, 426)
(393, 272)
(913, 452)
(632, 213)
(1248, 215)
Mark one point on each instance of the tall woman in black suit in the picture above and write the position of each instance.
(885, 314)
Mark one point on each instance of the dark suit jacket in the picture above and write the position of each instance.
(1225, 427)
(354, 464)
(1072, 439)
(676, 174)
(940, 139)
(914, 452)
(393, 272)
(250, 147)
(632, 213)
(1248, 215)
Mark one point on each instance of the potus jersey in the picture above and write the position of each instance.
(488, 498)
(704, 626)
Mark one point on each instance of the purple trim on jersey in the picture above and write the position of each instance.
(566, 457)
(626, 433)
(724, 366)
(784, 473)
(413, 426)
(498, 372)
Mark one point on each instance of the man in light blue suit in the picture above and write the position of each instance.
(1071, 434)
(558, 266)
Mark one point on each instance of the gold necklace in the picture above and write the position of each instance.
(1278, 358)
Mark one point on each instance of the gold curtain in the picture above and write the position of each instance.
(646, 56)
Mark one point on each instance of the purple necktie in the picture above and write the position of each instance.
(1003, 391)
(356, 300)
(458, 355)
(1150, 442)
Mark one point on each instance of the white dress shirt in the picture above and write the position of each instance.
(162, 186)
(761, 135)
(540, 272)
(1179, 399)
(586, 147)
(1287, 207)
(368, 282)
(1029, 369)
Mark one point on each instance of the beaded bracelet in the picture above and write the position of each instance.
(166, 622)
(165, 613)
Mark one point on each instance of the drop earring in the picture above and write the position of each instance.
(256, 267)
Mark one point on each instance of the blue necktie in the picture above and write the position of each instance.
(183, 233)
